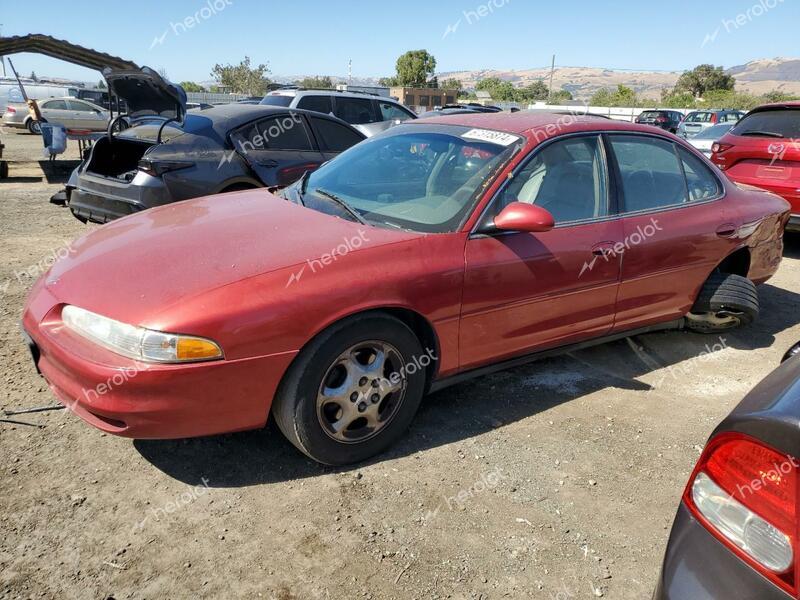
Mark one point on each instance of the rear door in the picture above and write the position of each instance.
(356, 111)
(86, 116)
(676, 228)
(278, 149)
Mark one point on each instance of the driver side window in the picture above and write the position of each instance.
(567, 178)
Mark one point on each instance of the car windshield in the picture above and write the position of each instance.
(277, 100)
(412, 178)
(773, 123)
(714, 133)
(652, 115)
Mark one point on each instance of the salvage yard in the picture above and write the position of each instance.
(557, 480)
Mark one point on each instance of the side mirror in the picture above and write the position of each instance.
(519, 216)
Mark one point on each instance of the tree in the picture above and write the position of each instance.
(388, 82)
(241, 78)
(415, 67)
(538, 90)
(622, 96)
(560, 97)
(317, 82)
(33, 76)
(191, 86)
(101, 85)
(452, 84)
(704, 78)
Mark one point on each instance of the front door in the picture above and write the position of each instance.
(525, 292)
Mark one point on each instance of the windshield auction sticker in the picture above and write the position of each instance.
(493, 137)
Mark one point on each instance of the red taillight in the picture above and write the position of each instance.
(714, 117)
(11, 110)
(745, 493)
(661, 120)
(718, 148)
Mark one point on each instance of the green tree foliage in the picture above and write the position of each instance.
(415, 68)
(191, 86)
(324, 83)
(388, 82)
(452, 84)
(704, 78)
(622, 96)
(242, 78)
(101, 85)
(560, 97)
(722, 99)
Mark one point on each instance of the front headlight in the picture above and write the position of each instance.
(136, 342)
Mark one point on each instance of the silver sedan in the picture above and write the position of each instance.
(69, 112)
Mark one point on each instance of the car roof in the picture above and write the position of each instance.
(225, 117)
(794, 104)
(523, 122)
(293, 92)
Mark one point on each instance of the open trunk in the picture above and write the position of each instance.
(117, 159)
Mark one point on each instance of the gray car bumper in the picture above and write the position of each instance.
(103, 199)
(698, 567)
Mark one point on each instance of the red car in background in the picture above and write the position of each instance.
(763, 150)
(439, 250)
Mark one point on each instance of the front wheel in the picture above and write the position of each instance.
(353, 391)
(725, 302)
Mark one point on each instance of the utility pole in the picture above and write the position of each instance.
(552, 72)
(2, 58)
(350, 72)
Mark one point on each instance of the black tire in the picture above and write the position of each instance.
(724, 294)
(295, 407)
(35, 127)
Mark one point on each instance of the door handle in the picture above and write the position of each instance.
(603, 249)
(728, 230)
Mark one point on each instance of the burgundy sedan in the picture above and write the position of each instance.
(440, 250)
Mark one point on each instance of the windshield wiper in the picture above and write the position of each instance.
(343, 204)
(763, 133)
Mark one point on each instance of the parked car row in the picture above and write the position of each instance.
(690, 125)
(69, 112)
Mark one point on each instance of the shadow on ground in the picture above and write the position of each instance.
(475, 407)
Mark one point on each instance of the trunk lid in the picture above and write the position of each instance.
(147, 94)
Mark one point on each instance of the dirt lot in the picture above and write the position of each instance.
(558, 480)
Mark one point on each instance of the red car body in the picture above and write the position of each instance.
(245, 269)
(770, 163)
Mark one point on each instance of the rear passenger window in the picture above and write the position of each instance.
(320, 104)
(652, 177)
(391, 112)
(356, 111)
(285, 133)
(700, 180)
(333, 136)
(277, 133)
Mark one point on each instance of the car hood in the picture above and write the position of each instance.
(147, 94)
(135, 267)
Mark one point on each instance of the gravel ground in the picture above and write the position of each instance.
(557, 480)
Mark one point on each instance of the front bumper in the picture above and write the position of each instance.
(148, 401)
(699, 567)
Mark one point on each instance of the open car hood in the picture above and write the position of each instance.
(147, 94)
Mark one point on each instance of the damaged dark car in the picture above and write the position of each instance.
(168, 155)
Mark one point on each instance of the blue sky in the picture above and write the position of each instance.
(318, 37)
